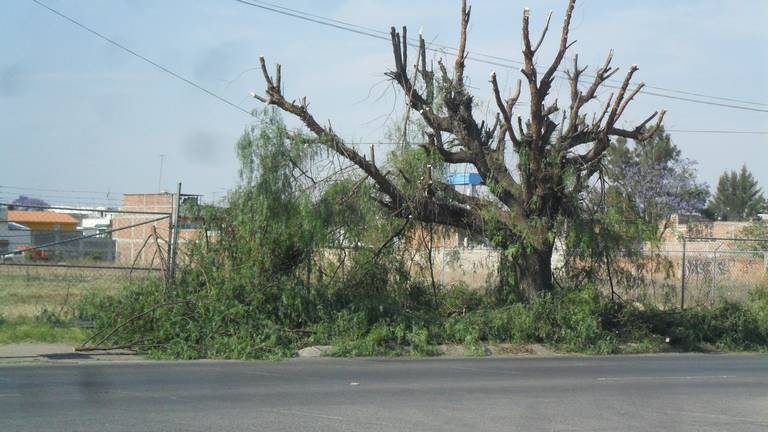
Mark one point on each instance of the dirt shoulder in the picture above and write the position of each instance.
(57, 353)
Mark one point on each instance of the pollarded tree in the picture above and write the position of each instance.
(557, 149)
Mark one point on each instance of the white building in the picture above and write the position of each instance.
(93, 220)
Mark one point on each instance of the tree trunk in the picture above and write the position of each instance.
(534, 272)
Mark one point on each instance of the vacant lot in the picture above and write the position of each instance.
(37, 303)
(25, 292)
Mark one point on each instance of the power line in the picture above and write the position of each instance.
(378, 34)
(233, 105)
(64, 197)
(76, 209)
(718, 131)
(58, 190)
(296, 13)
(693, 131)
(135, 54)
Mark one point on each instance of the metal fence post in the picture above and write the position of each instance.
(714, 276)
(682, 284)
(765, 261)
(174, 238)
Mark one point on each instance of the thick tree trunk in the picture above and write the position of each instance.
(534, 272)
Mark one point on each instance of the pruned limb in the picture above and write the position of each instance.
(458, 72)
(546, 80)
(427, 210)
(130, 320)
(453, 157)
(505, 109)
(629, 99)
(458, 121)
(327, 136)
(640, 133)
(613, 116)
(543, 32)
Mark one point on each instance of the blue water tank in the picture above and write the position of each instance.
(458, 179)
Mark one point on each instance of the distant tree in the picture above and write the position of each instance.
(738, 196)
(653, 181)
(24, 202)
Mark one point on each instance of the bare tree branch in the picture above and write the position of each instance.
(506, 114)
(546, 80)
(458, 72)
(543, 32)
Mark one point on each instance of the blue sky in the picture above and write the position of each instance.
(80, 114)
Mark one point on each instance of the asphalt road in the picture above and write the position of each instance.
(633, 393)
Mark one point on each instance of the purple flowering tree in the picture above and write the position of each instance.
(24, 202)
(654, 181)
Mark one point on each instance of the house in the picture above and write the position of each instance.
(13, 236)
(93, 219)
(96, 225)
(56, 236)
(43, 220)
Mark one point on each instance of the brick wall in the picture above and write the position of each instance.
(130, 241)
(131, 245)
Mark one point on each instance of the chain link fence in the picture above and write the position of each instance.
(694, 271)
(689, 272)
(44, 271)
(722, 268)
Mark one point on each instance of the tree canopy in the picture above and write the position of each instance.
(654, 180)
(738, 196)
(24, 202)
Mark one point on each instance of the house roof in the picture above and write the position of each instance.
(24, 217)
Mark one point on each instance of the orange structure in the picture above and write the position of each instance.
(43, 220)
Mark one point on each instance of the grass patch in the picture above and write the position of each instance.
(27, 291)
(40, 304)
(29, 330)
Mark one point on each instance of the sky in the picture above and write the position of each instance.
(82, 122)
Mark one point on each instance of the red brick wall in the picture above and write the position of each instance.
(130, 241)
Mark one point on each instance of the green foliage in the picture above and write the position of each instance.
(738, 196)
(569, 320)
(651, 180)
(285, 266)
(757, 230)
(26, 330)
(729, 326)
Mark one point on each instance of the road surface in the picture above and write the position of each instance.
(626, 393)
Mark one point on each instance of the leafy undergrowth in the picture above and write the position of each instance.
(576, 321)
